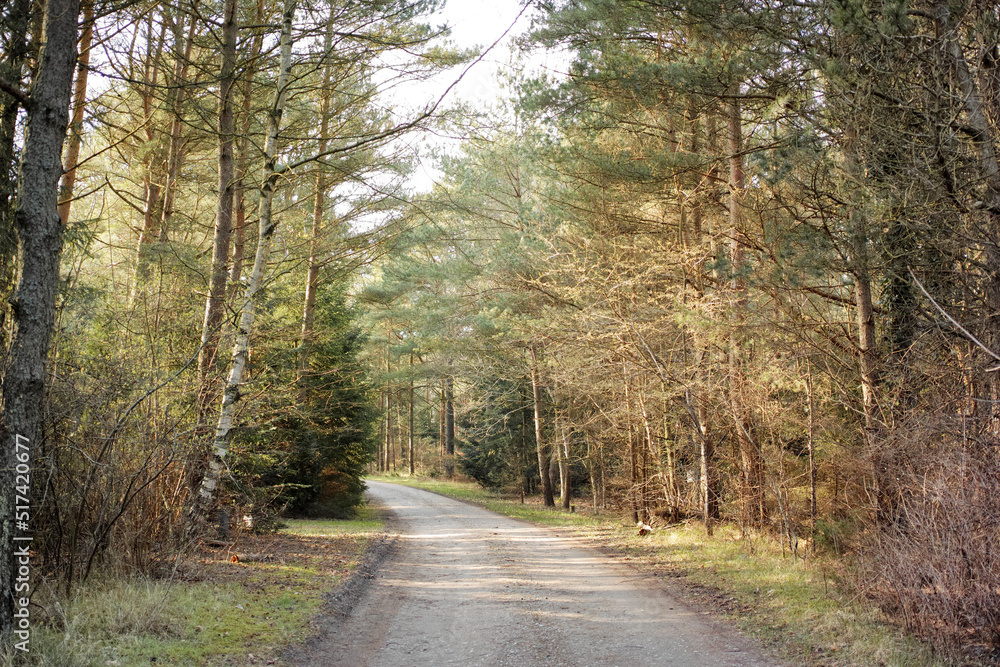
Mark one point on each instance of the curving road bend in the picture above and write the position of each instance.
(470, 587)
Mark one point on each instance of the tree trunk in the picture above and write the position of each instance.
(39, 232)
(12, 71)
(441, 420)
(319, 208)
(709, 482)
(985, 136)
(175, 150)
(449, 416)
(526, 477)
(536, 394)
(215, 303)
(152, 210)
(633, 455)
(592, 471)
(79, 106)
(449, 426)
(564, 475)
(239, 203)
(812, 450)
(755, 510)
(387, 441)
(220, 447)
(653, 450)
(409, 443)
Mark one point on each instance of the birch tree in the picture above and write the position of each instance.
(266, 228)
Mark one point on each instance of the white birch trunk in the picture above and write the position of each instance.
(220, 447)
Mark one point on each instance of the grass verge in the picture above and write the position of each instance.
(212, 613)
(793, 605)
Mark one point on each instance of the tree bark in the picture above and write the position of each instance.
(175, 150)
(709, 478)
(985, 136)
(239, 203)
(220, 447)
(387, 441)
(12, 69)
(410, 429)
(39, 233)
(755, 509)
(536, 394)
(153, 209)
(633, 454)
(441, 420)
(68, 181)
(215, 303)
(564, 474)
(319, 208)
(449, 426)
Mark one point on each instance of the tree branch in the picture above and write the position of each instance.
(951, 319)
(396, 130)
(15, 92)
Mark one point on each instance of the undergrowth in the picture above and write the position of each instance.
(212, 613)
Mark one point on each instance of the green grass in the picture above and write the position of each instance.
(219, 621)
(793, 604)
(366, 521)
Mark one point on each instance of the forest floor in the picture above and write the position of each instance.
(795, 605)
(294, 585)
(233, 605)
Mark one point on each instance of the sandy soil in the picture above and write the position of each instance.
(464, 586)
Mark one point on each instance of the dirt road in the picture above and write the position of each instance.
(466, 586)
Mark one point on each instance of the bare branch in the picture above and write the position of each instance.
(951, 319)
(427, 113)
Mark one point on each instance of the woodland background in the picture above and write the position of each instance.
(738, 263)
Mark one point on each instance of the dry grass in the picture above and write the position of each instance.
(212, 612)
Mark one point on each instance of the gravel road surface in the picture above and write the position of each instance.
(465, 586)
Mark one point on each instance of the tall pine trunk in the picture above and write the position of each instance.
(751, 461)
(215, 302)
(155, 167)
(541, 450)
(239, 203)
(319, 209)
(68, 182)
(175, 148)
(39, 234)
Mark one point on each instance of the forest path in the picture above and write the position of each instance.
(467, 586)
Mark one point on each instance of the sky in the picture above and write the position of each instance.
(478, 23)
(474, 23)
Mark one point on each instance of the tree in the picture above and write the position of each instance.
(219, 272)
(12, 71)
(402, 34)
(39, 232)
(231, 394)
